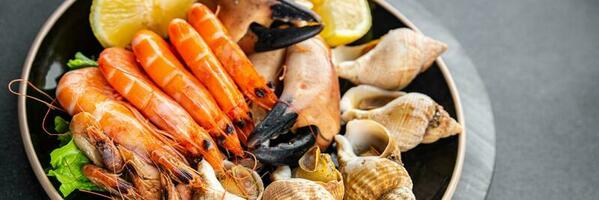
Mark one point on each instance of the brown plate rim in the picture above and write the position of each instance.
(53, 193)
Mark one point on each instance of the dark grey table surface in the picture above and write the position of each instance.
(539, 60)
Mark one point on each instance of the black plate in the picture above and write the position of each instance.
(430, 166)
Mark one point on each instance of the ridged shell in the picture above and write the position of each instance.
(410, 118)
(241, 181)
(319, 167)
(369, 177)
(393, 63)
(213, 190)
(296, 189)
(370, 138)
(402, 193)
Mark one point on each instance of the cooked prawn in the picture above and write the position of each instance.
(170, 75)
(234, 61)
(205, 66)
(86, 90)
(123, 73)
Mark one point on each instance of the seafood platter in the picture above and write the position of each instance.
(239, 99)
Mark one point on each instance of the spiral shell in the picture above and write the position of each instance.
(370, 177)
(393, 63)
(213, 189)
(241, 181)
(369, 138)
(403, 193)
(319, 167)
(411, 118)
(296, 189)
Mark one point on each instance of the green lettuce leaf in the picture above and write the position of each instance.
(62, 126)
(81, 61)
(66, 164)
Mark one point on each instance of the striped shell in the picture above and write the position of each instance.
(393, 63)
(399, 193)
(296, 189)
(411, 118)
(371, 177)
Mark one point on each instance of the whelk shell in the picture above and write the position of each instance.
(319, 167)
(369, 138)
(213, 190)
(393, 63)
(411, 118)
(295, 189)
(371, 177)
(241, 181)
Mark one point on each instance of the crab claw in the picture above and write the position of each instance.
(287, 153)
(304, 24)
(270, 138)
(263, 25)
(276, 38)
(278, 121)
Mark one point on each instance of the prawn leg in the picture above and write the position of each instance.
(180, 171)
(174, 192)
(111, 182)
(95, 144)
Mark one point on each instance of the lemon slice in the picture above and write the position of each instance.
(115, 22)
(344, 21)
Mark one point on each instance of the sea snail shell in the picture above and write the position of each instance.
(411, 118)
(296, 189)
(241, 181)
(319, 167)
(286, 188)
(371, 177)
(393, 63)
(369, 138)
(213, 190)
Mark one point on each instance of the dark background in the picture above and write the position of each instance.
(539, 60)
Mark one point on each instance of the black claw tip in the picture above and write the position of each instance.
(275, 38)
(288, 153)
(289, 11)
(278, 121)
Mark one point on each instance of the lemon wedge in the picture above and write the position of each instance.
(115, 22)
(344, 21)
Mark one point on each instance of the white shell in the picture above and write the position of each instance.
(213, 190)
(369, 138)
(393, 63)
(241, 181)
(296, 189)
(411, 118)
